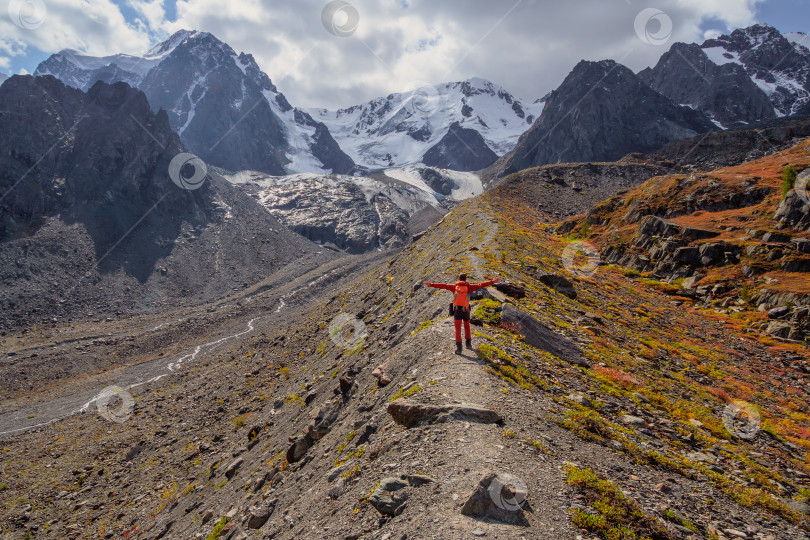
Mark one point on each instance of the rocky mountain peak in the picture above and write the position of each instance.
(601, 112)
(751, 75)
(207, 91)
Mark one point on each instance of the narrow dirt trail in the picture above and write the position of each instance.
(460, 453)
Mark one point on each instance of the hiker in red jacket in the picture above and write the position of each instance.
(461, 304)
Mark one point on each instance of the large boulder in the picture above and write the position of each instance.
(539, 335)
(510, 289)
(409, 413)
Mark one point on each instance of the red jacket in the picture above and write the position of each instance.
(460, 290)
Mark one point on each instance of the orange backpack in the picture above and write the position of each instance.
(460, 295)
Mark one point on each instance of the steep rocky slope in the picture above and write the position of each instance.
(92, 224)
(598, 400)
(728, 239)
(735, 146)
(461, 149)
(602, 112)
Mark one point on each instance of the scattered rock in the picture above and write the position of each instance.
(779, 329)
(498, 497)
(337, 490)
(323, 419)
(409, 413)
(579, 398)
(133, 452)
(233, 467)
(778, 312)
(633, 420)
(800, 507)
(334, 472)
(259, 515)
(368, 430)
(389, 496)
(382, 377)
(299, 447)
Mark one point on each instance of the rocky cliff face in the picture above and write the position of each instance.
(601, 112)
(724, 92)
(750, 75)
(91, 220)
(224, 107)
(461, 149)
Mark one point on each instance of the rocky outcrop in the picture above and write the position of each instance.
(497, 497)
(461, 149)
(794, 210)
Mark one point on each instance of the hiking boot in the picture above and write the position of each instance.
(469, 344)
(458, 347)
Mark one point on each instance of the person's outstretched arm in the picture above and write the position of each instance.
(476, 286)
(445, 286)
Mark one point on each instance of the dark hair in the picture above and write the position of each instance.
(462, 277)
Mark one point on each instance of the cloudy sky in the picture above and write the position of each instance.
(339, 53)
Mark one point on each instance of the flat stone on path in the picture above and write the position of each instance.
(410, 413)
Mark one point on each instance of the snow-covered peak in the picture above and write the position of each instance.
(397, 130)
(163, 49)
(779, 64)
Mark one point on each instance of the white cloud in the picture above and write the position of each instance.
(528, 46)
(96, 27)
